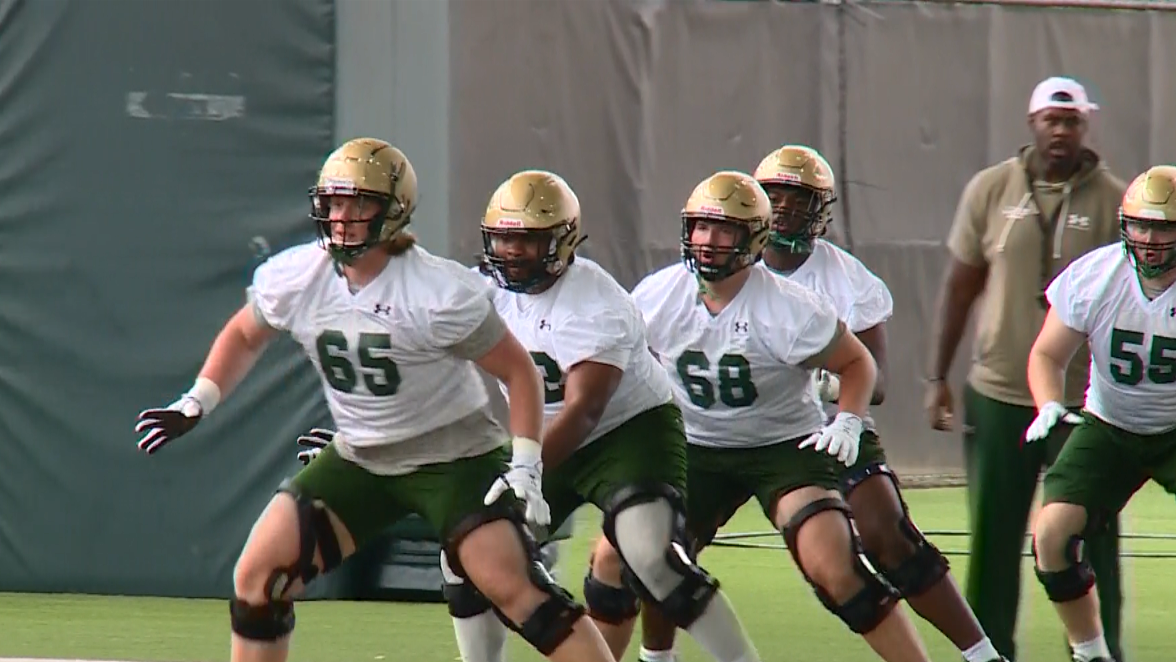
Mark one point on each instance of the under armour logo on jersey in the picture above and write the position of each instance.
(544, 326)
(381, 309)
(1172, 312)
(741, 327)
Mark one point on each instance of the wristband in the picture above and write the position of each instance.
(526, 451)
(207, 393)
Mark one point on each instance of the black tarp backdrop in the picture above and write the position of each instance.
(152, 154)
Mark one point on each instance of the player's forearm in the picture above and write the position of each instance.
(232, 356)
(525, 397)
(1047, 378)
(567, 431)
(857, 385)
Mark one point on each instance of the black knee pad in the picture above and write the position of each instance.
(464, 600)
(693, 594)
(609, 604)
(315, 532)
(923, 569)
(870, 606)
(1072, 583)
(462, 597)
(263, 623)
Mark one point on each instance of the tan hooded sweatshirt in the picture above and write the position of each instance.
(999, 224)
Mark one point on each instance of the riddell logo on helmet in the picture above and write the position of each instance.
(709, 209)
(785, 177)
(338, 186)
(509, 223)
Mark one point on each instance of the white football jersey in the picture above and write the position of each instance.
(737, 375)
(860, 298)
(382, 351)
(586, 316)
(1132, 340)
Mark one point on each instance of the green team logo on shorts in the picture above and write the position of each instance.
(380, 375)
(735, 388)
(1128, 365)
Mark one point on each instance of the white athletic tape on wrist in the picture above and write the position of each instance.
(207, 393)
(526, 451)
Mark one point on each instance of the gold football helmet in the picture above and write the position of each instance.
(530, 231)
(1149, 204)
(800, 182)
(733, 199)
(370, 170)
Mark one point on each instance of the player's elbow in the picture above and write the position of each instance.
(586, 410)
(1042, 361)
(860, 371)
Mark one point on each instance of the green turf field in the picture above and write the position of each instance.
(783, 617)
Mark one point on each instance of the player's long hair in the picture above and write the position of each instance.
(399, 244)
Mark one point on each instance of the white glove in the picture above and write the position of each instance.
(525, 479)
(828, 385)
(841, 438)
(1047, 417)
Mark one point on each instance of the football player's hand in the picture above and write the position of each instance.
(840, 438)
(314, 442)
(160, 426)
(525, 479)
(938, 403)
(828, 385)
(1047, 417)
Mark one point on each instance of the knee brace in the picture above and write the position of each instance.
(685, 589)
(314, 532)
(873, 603)
(926, 566)
(552, 621)
(609, 604)
(498, 510)
(463, 599)
(1072, 583)
(262, 623)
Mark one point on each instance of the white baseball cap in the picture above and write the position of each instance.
(1060, 92)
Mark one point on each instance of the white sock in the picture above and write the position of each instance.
(718, 631)
(481, 638)
(1093, 649)
(647, 655)
(983, 651)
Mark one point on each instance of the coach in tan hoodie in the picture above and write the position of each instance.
(1018, 224)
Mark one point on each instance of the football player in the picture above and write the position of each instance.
(395, 333)
(800, 183)
(613, 436)
(740, 343)
(1119, 300)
